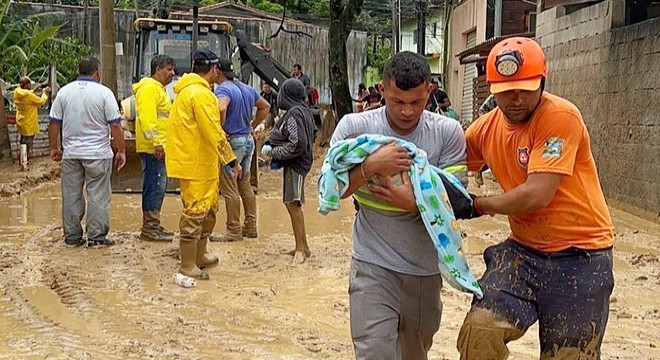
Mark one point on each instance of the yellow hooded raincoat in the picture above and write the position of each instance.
(196, 143)
(27, 118)
(153, 110)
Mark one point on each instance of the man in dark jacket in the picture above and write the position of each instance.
(290, 144)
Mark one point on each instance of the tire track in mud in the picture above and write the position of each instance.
(26, 317)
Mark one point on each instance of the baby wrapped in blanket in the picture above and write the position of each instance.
(440, 198)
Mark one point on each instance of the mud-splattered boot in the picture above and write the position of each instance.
(151, 229)
(233, 231)
(191, 230)
(204, 259)
(249, 229)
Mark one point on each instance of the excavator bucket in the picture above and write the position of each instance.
(129, 178)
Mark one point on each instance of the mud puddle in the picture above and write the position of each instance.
(120, 302)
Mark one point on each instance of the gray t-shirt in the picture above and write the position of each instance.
(399, 241)
(85, 109)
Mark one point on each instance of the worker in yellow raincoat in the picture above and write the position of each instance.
(27, 118)
(153, 111)
(196, 145)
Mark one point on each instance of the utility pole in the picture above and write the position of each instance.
(108, 59)
(195, 34)
(421, 26)
(498, 18)
(395, 26)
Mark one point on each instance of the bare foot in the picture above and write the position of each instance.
(294, 252)
(299, 257)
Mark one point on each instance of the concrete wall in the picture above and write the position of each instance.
(288, 49)
(468, 16)
(613, 76)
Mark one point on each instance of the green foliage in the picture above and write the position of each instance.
(28, 48)
(382, 54)
(65, 53)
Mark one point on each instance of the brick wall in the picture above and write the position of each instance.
(41, 145)
(613, 76)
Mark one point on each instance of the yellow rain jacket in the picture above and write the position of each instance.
(196, 143)
(153, 110)
(27, 118)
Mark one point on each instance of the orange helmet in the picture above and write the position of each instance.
(516, 63)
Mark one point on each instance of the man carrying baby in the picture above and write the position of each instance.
(394, 282)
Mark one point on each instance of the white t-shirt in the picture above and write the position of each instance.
(85, 109)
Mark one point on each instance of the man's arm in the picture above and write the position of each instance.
(223, 103)
(37, 100)
(535, 194)
(263, 108)
(389, 159)
(444, 99)
(53, 140)
(207, 118)
(118, 140)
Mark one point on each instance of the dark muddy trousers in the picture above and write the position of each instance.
(568, 292)
(93, 176)
(393, 316)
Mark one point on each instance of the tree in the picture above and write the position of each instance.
(342, 19)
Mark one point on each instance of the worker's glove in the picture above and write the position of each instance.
(462, 205)
(476, 210)
(266, 149)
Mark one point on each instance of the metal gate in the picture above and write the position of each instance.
(469, 74)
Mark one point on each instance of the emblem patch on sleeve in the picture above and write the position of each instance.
(523, 156)
(554, 147)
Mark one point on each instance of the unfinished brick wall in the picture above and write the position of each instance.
(613, 76)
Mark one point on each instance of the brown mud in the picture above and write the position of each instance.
(120, 302)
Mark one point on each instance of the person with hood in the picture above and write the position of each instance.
(196, 144)
(153, 109)
(27, 102)
(290, 144)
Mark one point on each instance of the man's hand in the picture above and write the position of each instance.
(400, 196)
(237, 172)
(47, 90)
(120, 160)
(56, 154)
(159, 152)
(388, 160)
(266, 150)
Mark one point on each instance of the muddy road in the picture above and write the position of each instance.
(120, 302)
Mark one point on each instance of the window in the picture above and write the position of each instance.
(530, 21)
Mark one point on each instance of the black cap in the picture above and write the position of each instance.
(227, 67)
(205, 56)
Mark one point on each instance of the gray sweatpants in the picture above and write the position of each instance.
(94, 175)
(393, 316)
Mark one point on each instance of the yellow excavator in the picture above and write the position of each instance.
(175, 38)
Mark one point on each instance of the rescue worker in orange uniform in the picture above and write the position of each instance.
(556, 265)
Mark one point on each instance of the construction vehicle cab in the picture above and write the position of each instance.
(168, 37)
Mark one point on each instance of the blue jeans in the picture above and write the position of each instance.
(243, 146)
(154, 182)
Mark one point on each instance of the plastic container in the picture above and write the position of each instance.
(184, 281)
